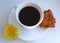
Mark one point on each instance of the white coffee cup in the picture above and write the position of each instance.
(25, 4)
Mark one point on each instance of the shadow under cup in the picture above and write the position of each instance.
(29, 15)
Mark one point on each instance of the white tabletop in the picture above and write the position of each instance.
(52, 36)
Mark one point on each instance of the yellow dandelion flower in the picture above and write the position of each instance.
(11, 32)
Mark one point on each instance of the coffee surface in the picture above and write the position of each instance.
(29, 16)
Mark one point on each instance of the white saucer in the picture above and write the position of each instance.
(26, 34)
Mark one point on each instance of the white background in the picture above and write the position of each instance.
(52, 36)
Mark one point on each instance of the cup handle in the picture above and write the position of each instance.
(15, 7)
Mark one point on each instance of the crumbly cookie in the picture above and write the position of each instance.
(49, 20)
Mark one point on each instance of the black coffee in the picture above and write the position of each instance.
(29, 16)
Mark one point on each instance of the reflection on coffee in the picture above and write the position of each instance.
(29, 16)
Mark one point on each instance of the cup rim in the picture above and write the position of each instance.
(18, 10)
